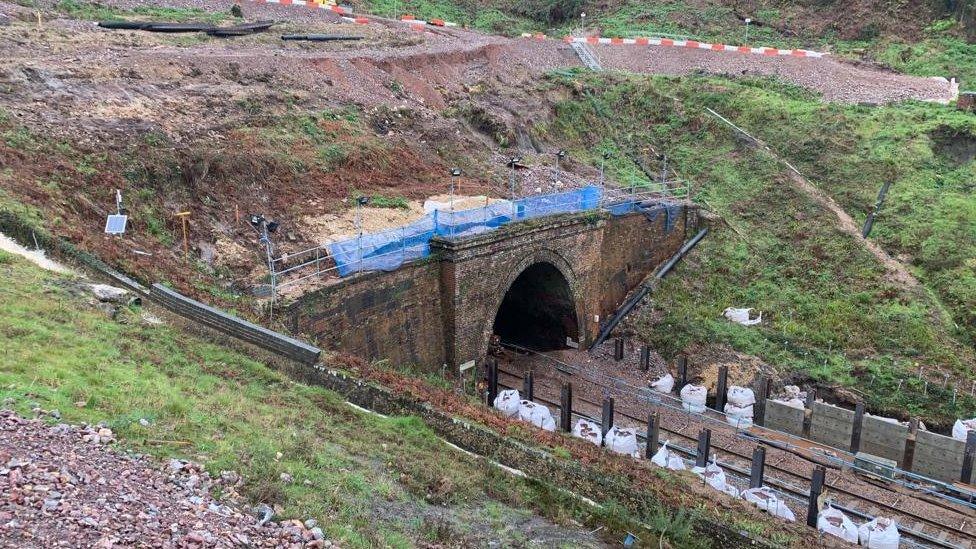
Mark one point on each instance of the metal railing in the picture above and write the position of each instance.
(291, 269)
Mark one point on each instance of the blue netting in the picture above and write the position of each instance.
(454, 223)
(388, 250)
(586, 198)
(385, 250)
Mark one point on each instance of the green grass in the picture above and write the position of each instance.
(370, 481)
(488, 18)
(831, 315)
(95, 11)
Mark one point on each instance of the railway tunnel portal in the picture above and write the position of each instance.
(545, 283)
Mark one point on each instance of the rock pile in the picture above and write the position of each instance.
(62, 486)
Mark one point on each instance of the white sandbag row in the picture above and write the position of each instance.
(510, 404)
(693, 398)
(714, 476)
(738, 410)
(588, 430)
(833, 522)
(667, 459)
(663, 384)
(537, 415)
(880, 533)
(765, 499)
(623, 440)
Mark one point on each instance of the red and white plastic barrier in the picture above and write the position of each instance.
(314, 4)
(407, 18)
(358, 20)
(692, 44)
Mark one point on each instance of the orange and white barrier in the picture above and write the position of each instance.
(314, 4)
(407, 18)
(535, 36)
(692, 44)
(358, 20)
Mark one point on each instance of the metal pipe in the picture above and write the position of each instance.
(646, 289)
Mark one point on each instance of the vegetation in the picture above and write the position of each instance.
(369, 480)
(831, 315)
(95, 11)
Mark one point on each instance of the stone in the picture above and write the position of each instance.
(109, 294)
(317, 533)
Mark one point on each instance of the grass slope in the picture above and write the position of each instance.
(831, 315)
(369, 481)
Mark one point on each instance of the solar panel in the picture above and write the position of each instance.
(115, 224)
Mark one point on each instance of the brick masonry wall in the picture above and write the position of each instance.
(632, 248)
(442, 310)
(479, 270)
(395, 316)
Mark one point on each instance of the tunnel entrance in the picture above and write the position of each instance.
(538, 311)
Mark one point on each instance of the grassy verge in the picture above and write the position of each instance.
(831, 315)
(371, 481)
(95, 11)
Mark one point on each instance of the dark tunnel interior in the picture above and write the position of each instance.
(538, 311)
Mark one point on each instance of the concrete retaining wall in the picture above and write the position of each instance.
(936, 456)
(783, 418)
(885, 439)
(241, 329)
(831, 425)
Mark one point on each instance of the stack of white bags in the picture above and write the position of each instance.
(738, 410)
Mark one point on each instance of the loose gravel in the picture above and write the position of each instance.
(65, 486)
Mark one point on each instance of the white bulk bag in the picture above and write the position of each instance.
(961, 428)
(508, 402)
(765, 499)
(833, 522)
(537, 415)
(740, 418)
(792, 403)
(693, 398)
(741, 396)
(714, 476)
(663, 384)
(880, 533)
(668, 459)
(741, 316)
(587, 430)
(622, 441)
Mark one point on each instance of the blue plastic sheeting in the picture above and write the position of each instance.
(622, 208)
(671, 212)
(586, 198)
(454, 223)
(386, 250)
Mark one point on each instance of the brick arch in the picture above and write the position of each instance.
(543, 255)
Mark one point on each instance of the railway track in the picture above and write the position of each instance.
(921, 531)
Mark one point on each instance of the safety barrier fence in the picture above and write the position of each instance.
(388, 250)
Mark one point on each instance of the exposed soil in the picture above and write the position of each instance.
(194, 123)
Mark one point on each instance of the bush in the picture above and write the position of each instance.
(549, 11)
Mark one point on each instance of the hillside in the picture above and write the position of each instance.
(369, 481)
